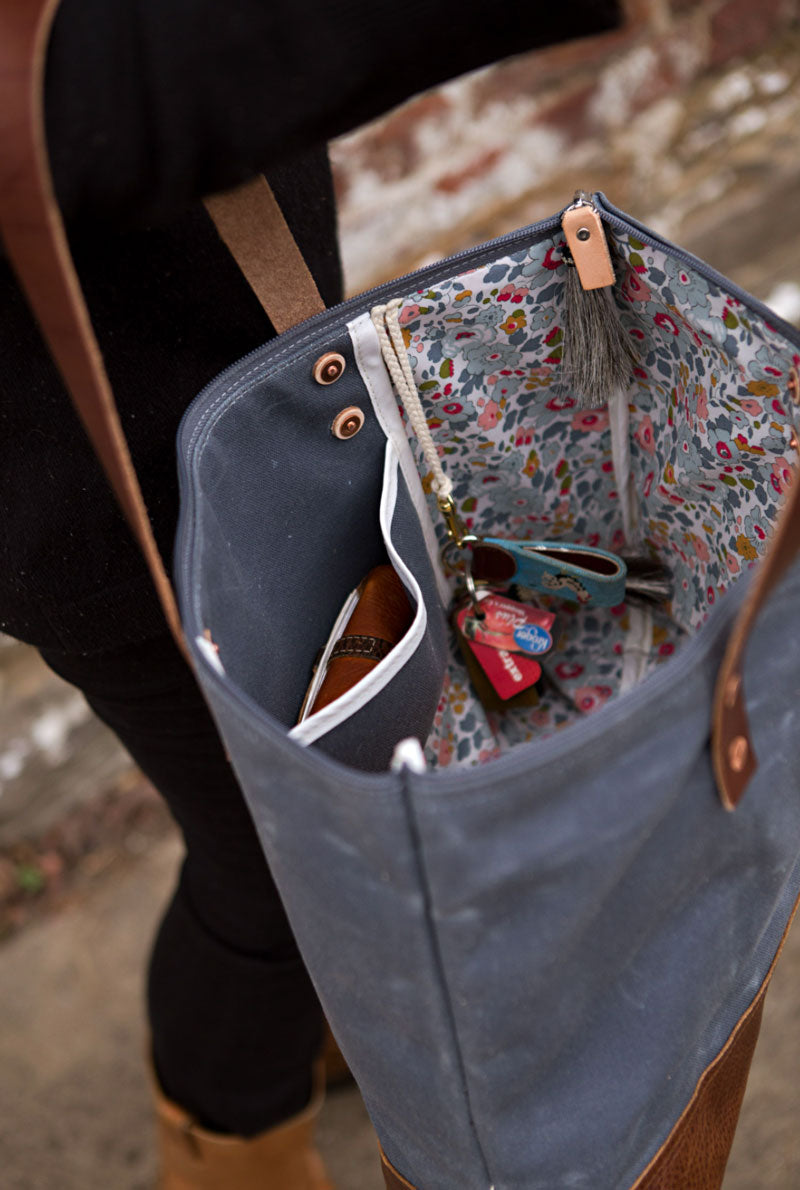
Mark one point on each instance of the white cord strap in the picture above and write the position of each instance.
(386, 321)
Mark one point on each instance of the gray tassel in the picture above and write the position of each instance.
(598, 355)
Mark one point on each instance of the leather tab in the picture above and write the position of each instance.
(586, 240)
(732, 750)
(252, 226)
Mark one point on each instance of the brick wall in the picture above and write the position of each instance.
(691, 103)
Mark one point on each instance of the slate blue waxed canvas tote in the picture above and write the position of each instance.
(534, 944)
(542, 936)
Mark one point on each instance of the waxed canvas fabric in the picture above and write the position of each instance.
(529, 961)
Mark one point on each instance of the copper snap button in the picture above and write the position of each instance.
(347, 423)
(329, 367)
(732, 690)
(737, 753)
(794, 386)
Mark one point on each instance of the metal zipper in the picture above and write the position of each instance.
(666, 676)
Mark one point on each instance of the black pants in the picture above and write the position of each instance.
(235, 1022)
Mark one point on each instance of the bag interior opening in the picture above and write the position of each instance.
(688, 465)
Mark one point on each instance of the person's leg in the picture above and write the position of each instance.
(236, 1025)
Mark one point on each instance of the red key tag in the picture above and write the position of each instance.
(503, 623)
(509, 672)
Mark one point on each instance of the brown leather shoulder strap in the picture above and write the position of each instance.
(249, 221)
(250, 224)
(37, 246)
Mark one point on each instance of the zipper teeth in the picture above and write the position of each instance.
(609, 214)
(398, 286)
(549, 749)
(527, 235)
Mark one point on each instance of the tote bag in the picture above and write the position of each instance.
(542, 938)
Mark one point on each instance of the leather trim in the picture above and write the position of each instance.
(731, 747)
(695, 1154)
(393, 1179)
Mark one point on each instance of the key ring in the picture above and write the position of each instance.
(474, 597)
(464, 568)
(451, 567)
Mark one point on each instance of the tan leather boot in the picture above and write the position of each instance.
(283, 1158)
(337, 1072)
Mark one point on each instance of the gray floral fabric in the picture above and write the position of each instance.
(709, 440)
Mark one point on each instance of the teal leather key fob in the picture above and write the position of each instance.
(577, 573)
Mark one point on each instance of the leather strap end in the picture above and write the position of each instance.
(393, 1180)
(732, 750)
(252, 225)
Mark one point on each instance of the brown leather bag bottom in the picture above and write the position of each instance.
(696, 1151)
(393, 1180)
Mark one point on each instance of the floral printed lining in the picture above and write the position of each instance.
(581, 675)
(710, 433)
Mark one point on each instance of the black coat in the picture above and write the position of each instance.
(149, 106)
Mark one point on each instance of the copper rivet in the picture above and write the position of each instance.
(347, 423)
(794, 386)
(583, 233)
(737, 753)
(329, 367)
(732, 689)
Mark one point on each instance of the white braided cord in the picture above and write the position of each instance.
(386, 321)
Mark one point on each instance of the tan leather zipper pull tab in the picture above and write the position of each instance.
(586, 240)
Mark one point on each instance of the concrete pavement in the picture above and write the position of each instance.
(74, 1103)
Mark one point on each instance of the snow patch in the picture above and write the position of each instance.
(735, 88)
(12, 761)
(52, 729)
(747, 122)
(47, 738)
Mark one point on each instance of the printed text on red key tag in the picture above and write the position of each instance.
(510, 673)
(505, 624)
